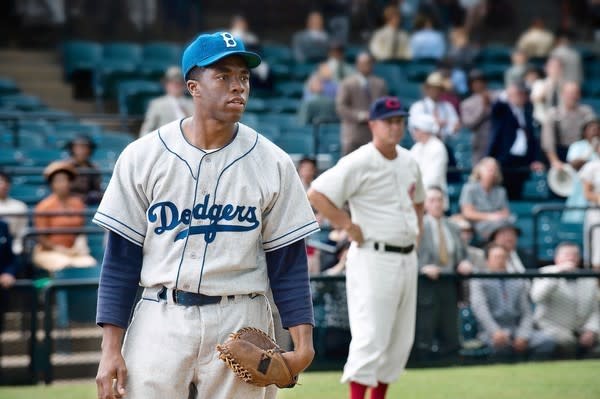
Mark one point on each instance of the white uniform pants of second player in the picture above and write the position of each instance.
(382, 297)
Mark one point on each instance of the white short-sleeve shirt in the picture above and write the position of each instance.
(381, 193)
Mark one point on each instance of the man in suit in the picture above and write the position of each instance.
(441, 251)
(507, 235)
(354, 97)
(567, 309)
(512, 141)
(503, 312)
(173, 105)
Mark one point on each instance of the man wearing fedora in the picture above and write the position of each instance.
(442, 111)
(507, 235)
(173, 105)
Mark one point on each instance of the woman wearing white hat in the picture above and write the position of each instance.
(429, 152)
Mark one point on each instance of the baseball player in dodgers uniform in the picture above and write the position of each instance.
(205, 214)
(382, 184)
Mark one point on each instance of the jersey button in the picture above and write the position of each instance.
(207, 160)
(193, 255)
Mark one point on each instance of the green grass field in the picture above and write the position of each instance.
(553, 380)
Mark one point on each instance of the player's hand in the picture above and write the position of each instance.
(520, 345)
(355, 233)
(587, 339)
(112, 375)
(431, 271)
(500, 338)
(7, 280)
(558, 165)
(299, 359)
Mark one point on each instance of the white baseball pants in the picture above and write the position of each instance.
(169, 347)
(382, 297)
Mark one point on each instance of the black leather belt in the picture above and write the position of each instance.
(185, 298)
(392, 248)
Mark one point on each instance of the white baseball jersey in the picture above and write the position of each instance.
(206, 219)
(380, 192)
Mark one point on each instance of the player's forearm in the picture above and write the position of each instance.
(336, 216)
(112, 337)
(302, 338)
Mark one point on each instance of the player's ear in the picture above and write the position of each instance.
(192, 87)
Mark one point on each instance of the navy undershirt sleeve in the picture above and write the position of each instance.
(119, 281)
(288, 276)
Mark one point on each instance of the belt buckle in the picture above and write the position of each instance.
(379, 246)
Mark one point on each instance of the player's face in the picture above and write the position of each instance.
(222, 89)
(388, 131)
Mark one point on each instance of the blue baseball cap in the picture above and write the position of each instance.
(210, 48)
(386, 107)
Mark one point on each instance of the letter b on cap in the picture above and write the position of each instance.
(228, 39)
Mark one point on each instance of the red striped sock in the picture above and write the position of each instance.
(357, 391)
(379, 391)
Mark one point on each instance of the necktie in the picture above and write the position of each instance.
(442, 247)
(395, 45)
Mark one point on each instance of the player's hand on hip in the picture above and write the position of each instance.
(355, 233)
(112, 375)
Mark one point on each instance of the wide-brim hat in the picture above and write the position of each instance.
(59, 166)
(562, 181)
(210, 48)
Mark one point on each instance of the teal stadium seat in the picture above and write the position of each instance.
(41, 156)
(497, 53)
(302, 145)
(301, 72)
(283, 105)
(8, 86)
(77, 305)
(30, 194)
(276, 53)
(594, 103)
(134, 96)
(80, 56)
(115, 141)
(393, 75)
(591, 87)
(21, 102)
(256, 105)
(109, 73)
(157, 57)
(9, 157)
(290, 89)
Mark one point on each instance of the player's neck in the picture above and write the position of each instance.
(388, 151)
(208, 134)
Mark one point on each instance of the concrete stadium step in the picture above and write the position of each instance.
(65, 367)
(15, 343)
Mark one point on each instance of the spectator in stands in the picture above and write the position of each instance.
(512, 139)
(316, 104)
(8, 272)
(58, 251)
(321, 83)
(336, 62)
(429, 152)
(516, 72)
(580, 153)
(88, 180)
(567, 309)
(475, 254)
(307, 170)
(483, 200)
(240, 29)
(426, 42)
(173, 105)
(462, 53)
(16, 224)
(442, 111)
(536, 41)
(354, 97)
(311, 44)
(532, 75)
(590, 178)
(507, 235)
(563, 124)
(441, 251)
(476, 111)
(545, 93)
(503, 312)
(569, 56)
(390, 42)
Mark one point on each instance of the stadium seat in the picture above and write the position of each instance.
(122, 51)
(419, 72)
(9, 157)
(162, 51)
(393, 75)
(256, 105)
(21, 102)
(295, 144)
(270, 131)
(115, 141)
(80, 56)
(495, 53)
(591, 88)
(494, 72)
(78, 305)
(282, 121)
(276, 53)
(301, 72)
(134, 96)
(8, 86)
(40, 156)
(30, 194)
(592, 102)
(109, 73)
(31, 139)
(283, 105)
(281, 72)
(290, 89)
(409, 92)
(76, 127)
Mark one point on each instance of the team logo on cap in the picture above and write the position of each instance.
(392, 103)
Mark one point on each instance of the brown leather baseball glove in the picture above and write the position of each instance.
(256, 359)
